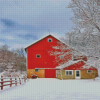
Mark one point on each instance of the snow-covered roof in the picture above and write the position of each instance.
(40, 39)
(86, 66)
(70, 62)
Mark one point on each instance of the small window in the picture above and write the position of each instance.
(38, 56)
(68, 72)
(36, 70)
(49, 40)
(89, 71)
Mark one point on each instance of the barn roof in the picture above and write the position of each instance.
(40, 40)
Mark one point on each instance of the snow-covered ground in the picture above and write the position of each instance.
(54, 89)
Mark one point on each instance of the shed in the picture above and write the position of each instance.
(76, 70)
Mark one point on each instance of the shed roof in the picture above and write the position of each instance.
(76, 65)
(70, 62)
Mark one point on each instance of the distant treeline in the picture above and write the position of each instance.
(14, 59)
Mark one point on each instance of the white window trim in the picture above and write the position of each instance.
(68, 72)
(38, 54)
(50, 39)
(89, 70)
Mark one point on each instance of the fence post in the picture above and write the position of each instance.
(19, 81)
(24, 79)
(15, 82)
(11, 81)
(1, 82)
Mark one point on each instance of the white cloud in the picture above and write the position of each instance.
(9, 37)
(42, 15)
(22, 32)
(1, 28)
(1, 43)
(31, 11)
(17, 46)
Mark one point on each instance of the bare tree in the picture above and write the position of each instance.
(4, 56)
(20, 59)
(85, 36)
(86, 14)
(12, 59)
(84, 39)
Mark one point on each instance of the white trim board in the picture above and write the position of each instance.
(45, 68)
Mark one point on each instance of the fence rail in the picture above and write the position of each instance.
(12, 80)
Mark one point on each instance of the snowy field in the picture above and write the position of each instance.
(53, 89)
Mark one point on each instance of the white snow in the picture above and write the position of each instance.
(54, 89)
(86, 66)
(70, 62)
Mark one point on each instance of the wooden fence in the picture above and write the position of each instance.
(11, 80)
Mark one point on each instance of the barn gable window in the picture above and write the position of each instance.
(68, 72)
(38, 56)
(49, 40)
(36, 70)
(89, 71)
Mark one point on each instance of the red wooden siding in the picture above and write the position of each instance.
(42, 48)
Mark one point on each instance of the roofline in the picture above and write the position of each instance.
(77, 62)
(41, 39)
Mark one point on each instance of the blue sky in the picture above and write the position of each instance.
(25, 21)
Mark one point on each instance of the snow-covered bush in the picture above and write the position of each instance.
(10, 73)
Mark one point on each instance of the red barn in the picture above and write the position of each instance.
(39, 60)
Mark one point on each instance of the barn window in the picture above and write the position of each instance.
(89, 71)
(68, 72)
(36, 70)
(38, 56)
(49, 40)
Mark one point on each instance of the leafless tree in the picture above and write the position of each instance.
(12, 58)
(85, 36)
(86, 15)
(20, 62)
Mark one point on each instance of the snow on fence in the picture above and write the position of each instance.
(11, 80)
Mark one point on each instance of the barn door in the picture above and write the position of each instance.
(50, 73)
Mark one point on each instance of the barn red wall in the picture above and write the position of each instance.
(42, 47)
